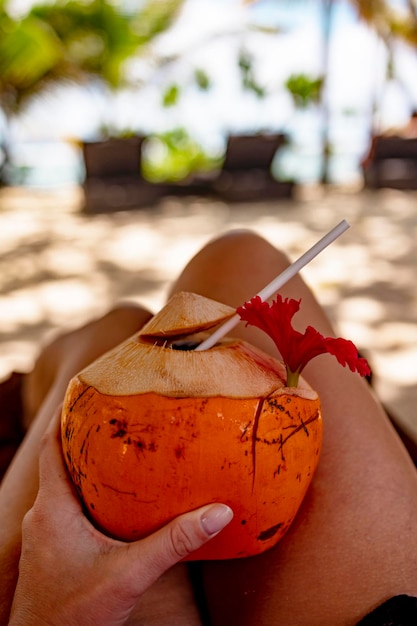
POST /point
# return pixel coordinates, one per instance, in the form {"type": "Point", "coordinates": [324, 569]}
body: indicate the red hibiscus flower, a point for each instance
{"type": "Point", "coordinates": [296, 348]}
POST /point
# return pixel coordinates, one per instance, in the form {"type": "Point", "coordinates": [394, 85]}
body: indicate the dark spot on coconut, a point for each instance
{"type": "Point", "coordinates": [274, 403]}
{"type": "Point", "coordinates": [121, 428]}
{"type": "Point", "coordinates": [269, 533]}
{"type": "Point", "coordinates": [119, 433]}
{"type": "Point", "coordinates": [180, 452]}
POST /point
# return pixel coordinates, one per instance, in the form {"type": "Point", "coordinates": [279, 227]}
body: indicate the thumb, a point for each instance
{"type": "Point", "coordinates": [189, 532]}
{"type": "Point", "coordinates": [172, 543]}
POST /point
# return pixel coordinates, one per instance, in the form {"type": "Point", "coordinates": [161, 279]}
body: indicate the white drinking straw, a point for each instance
{"type": "Point", "coordinates": [278, 282]}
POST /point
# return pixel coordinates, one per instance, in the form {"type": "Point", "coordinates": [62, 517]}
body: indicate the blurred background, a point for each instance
{"type": "Point", "coordinates": [329, 73]}
{"type": "Point", "coordinates": [180, 78]}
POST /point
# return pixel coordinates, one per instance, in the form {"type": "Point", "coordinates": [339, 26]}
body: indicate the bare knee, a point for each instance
{"type": "Point", "coordinates": [232, 267]}
{"type": "Point", "coordinates": [245, 244]}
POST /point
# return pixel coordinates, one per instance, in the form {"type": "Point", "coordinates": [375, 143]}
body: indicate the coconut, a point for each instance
{"type": "Point", "coordinates": [154, 428]}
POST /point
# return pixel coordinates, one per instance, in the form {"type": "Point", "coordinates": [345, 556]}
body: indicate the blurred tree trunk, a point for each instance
{"type": "Point", "coordinates": [327, 17]}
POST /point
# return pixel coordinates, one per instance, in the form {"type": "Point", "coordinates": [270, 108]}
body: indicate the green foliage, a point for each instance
{"type": "Point", "coordinates": [304, 89]}
{"type": "Point", "coordinates": [155, 17]}
{"type": "Point", "coordinates": [73, 41]}
{"type": "Point", "coordinates": [107, 131]}
{"type": "Point", "coordinates": [202, 79]}
{"type": "Point", "coordinates": [28, 54]}
{"type": "Point", "coordinates": [173, 155]}
{"type": "Point", "coordinates": [96, 39]}
{"type": "Point", "coordinates": [249, 82]}
{"type": "Point", "coordinates": [171, 95]}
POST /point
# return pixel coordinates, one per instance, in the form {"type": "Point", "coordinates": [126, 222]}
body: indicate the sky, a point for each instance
{"type": "Point", "coordinates": [209, 34]}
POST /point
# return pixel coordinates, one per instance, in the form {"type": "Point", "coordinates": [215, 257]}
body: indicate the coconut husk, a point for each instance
{"type": "Point", "coordinates": [184, 314]}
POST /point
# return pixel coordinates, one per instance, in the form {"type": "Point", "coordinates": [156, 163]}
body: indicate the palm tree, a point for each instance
{"type": "Point", "coordinates": [391, 26]}
{"type": "Point", "coordinates": [388, 23]}
{"type": "Point", "coordinates": [72, 42]}
{"type": "Point", "coordinates": [326, 148]}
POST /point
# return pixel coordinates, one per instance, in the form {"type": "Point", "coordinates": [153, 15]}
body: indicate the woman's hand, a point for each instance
{"type": "Point", "coordinates": [70, 573]}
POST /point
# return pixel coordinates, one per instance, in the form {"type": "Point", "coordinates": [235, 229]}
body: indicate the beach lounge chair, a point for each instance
{"type": "Point", "coordinates": [113, 176]}
{"type": "Point", "coordinates": [391, 162]}
{"type": "Point", "coordinates": [246, 172]}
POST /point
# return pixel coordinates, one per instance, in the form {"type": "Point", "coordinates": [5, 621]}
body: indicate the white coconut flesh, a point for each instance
{"type": "Point", "coordinates": [155, 361]}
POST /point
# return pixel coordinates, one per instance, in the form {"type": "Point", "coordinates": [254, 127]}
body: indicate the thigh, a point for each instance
{"type": "Point", "coordinates": [354, 541]}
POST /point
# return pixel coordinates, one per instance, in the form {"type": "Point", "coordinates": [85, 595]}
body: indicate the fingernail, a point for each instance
{"type": "Point", "coordinates": [215, 518]}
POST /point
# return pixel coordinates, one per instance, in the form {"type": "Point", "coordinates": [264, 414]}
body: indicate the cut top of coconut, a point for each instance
{"type": "Point", "coordinates": [232, 368]}
{"type": "Point", "coordinates": [184, 314]}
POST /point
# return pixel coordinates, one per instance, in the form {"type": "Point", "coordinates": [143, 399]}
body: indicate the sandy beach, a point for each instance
{"type": "Point", "coordinates": [60, 267]}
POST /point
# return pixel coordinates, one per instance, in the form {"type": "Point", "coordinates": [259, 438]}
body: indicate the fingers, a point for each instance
{"type": "Point", "coordinates": [177, 540]}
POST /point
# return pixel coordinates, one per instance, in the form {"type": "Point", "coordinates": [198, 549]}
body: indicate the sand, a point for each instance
{"type": "Point", "coordinates": [60, 267]}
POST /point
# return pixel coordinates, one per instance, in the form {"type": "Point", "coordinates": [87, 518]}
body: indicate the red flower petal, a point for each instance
{"type": "Point", "coordinates": [296, 348]}
{"type": "Point", "coordinates": [346, 353]}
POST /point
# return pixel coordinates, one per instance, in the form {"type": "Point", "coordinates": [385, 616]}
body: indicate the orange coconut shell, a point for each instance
{"type": "Point", "coordinates": [149, 433]}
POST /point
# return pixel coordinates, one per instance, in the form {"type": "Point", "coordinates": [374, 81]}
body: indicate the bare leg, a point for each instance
{"type": "Point", "coordinates": [354, 541]}
{"type": "Point", "coordinates": [343, 527]}
{"type": "Point", "coordinates": [44, 390]}
{"type": "Point", "coordinates": [68, 353]}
